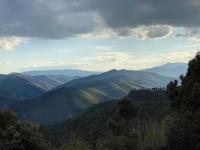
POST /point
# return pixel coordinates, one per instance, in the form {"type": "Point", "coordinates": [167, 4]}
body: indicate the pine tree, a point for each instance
{"type": "Point", "coordinates": [184, 131]}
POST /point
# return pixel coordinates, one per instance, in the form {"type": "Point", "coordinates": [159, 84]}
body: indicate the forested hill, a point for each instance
{"type": "Point", "coordinates": [92, 124]}
{"type": "Point", "coordinates": [77, 95]}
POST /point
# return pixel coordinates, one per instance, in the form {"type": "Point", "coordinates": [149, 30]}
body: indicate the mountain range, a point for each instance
{"type": "Point", "coordinates": [51, 96]}
{"type": "Point", "coordinates": [19, 87]}
{"type": "Point", "coordinates": [76, 95]}
{"type": "Point", "coordinates": [65, 72]}
{"type": "Point", "coordinates": [169, 69]}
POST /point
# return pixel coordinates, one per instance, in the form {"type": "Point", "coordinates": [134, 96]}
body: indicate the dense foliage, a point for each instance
{"type": "Point", "coordinates": [15, 135]}
{"type": "Point", "coordinates": [184, 130]}
{"type": "Point", "coordinates": [134, 122]}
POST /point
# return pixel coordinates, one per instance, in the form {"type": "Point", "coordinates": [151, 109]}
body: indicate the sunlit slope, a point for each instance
{"type": "Point", "coordinates": [81, 93]}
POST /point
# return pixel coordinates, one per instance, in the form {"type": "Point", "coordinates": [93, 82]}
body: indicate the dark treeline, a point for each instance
{"type": "Point", "coordinates": [147, 119]}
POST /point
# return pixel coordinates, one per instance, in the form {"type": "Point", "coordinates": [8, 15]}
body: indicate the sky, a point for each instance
{"type": "Point", "coordinates": [97, 35]}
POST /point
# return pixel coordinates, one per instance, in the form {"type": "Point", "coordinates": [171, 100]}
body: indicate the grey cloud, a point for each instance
{"type": "Point", "coordinates": [36, 19]}
{"type": "Point", "coordinates": [65, 18]}
{"type": "Point", "coordinates": [190, 33]}
{"type": "Point", "coordinates": [154, 32]}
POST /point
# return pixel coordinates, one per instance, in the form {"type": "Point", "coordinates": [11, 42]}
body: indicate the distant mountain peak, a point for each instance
{"type": "Point", "coordinates": [113, 70]}
{"type": "Point", "coordinates": [170, 69]}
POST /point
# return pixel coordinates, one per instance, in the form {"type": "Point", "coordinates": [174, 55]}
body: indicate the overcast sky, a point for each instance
{"type": "Point", "coordinates": [97, 34]}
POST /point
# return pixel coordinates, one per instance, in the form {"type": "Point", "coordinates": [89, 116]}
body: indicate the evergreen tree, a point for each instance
{"type": "Point", "coordinates": [123, 134]}
{"type": "Point", "coordinates": [184, 131]}
{"type": "Point", "coordinates": [15, 135]}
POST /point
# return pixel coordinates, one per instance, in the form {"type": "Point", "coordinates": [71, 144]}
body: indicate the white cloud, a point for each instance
{"type": "Point", "coordinates": [101, 61]}
{"type": "Point", "coordinates": [104, 61]}
{"type": "Point", "coordinates": [104, 48]}
{"type": "Point", "coordinates": [154, 32]}
{"type": "Point", "coordinates": [6, 62]}
{"type": "Point", "coordinates": [9, 43]}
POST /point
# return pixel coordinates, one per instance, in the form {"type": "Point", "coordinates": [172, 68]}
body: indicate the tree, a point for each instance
{"type": "Point", "coordinates": [15, 135]}
{"type": "Point", "coordinates": [76, 144]}
{"type": "Point", "coordinates": [123, 134]}
{"type": "Point", "coordinates": [184, 130]}
{"type": "Point", "coordinates": [186, 97]}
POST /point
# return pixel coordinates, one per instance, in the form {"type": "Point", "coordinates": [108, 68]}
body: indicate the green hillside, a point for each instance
{"type": "Point", "coordinates": [134, 78]}
{"type": "Point", "coordinates": [51, 81]}
{"type": "Point", "coordinates": [20, 87]}
{"type": "Point", "coordinates": [4, 101]}
{"type": "Point", "coordinates": [79, 94]}
{"type": "Point", "coordinates": [92, 124]}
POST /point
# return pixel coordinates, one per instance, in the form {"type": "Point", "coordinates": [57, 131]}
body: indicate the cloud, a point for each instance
{"type": "Point", "coordinates": [190, 34]}
{"type": "Point", "coordinates": [101, 61]}
{"type": "Point", "coordinates": [104, 48]}
{"type": "Point", "coordinates": [98, 34]}
{"type": "Point", "coordinates": [154, 32]}
{"type": "Point", "coordinates": [131, 13]}
{"type": "Point", "coordinates": [109, 59]}
{"type": "Point", "coordinates": [6, 62]}
{"type": "Point", "coordinates": [49, 64]}
{"type": "Point", "coordinates": [66, 18]}
{"type": "Point", "coordinates": [10, 42]}
{"type": "Point", "coordinates": [44, 19]}
{"type": "Point", "coordinates": [104, 61]}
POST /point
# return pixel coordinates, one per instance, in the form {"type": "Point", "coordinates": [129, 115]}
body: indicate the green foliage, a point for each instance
{"type": "Point", "coordinates": [184, 132]}
{"type": "Point", "coordinates": [136, 121]}
{"type": "Point", "coordinates": [123, 135]}
{"type": "Point", "coordinates": [121, 142]}
{"type": "Point", "coordinates": [127, 109]}
{"type": "Point", "coordinates": [15, 135]}
{"type": "Point", "coordinates": [187, 96]}
{"type": "Point", "coordinates": [76, 144]}
{"type": "Point", "coordinates": [184, 128]}
{"type": "Point", "coordinates": [7, 118]}
{"type": "Point", "coordinates": [154, 137]}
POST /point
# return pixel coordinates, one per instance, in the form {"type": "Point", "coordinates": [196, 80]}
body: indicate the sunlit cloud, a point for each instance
{"type": "Point", "coordinates": [9, 43]}
{"type": "Point", "coordinates": [104, 48]}
{"type": "Point", "coordinates": [121, 60]}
